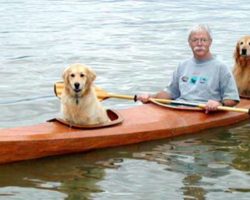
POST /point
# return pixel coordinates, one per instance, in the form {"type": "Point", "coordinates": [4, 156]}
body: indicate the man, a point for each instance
{"type": "Point", "coordinates": [202, 78]}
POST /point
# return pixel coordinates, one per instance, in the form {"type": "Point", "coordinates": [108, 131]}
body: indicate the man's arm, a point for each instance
{"type": "Point", "coordinates": [144, 98]}
{"type": "Point", "coordinates": [212, 105]}
{"type": "Point", "coordinates": [229, 102]}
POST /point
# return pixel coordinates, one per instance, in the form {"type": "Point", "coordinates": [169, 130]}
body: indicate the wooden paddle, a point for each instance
{"type": "Point", "coordinates": [102, 95]}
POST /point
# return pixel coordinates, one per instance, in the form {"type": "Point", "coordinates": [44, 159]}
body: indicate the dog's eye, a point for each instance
{"type": "Point", "coordinates": [241, 43]}
{"type": "Point", "coordinates": [249, 43]}
{"type": "Point", "coordinates": [82, 75]}
{"type": "Point", "coordinates": [72, 75]}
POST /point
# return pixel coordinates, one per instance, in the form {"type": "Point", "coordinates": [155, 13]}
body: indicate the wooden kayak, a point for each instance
{"type": "Point", "coordinates": [140, 123]}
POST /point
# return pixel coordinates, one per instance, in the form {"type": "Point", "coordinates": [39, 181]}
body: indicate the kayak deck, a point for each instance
{"type": "Point", "coordinates": [141, 123]}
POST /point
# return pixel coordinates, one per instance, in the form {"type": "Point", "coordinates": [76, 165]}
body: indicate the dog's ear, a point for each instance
{"type": "Point", "coordinates": [65, 76]}
{"type": "Point", "coordinates": [91, 75]}
{"type": "Point", "coordinates": [237, 52]}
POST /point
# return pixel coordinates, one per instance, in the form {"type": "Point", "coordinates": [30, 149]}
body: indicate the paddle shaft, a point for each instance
{"type": "Point", "coordinates": [224, 108]}
{"type": "Point", "coordinates": [120, 96]}
{"type": "Point", "coordinates": [169, 101]}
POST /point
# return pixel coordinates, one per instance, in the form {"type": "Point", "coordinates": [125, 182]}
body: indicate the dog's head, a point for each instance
{"type": "Point", "coordinates": [78, 79]}
{"type": "Point", "coordinates": [242, 51]}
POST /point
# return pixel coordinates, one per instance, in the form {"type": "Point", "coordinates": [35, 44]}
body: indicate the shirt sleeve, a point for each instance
{"type": "Point", "coordinates": [228, 86]}
{"type": "Point", "coordinates": [173, 87]}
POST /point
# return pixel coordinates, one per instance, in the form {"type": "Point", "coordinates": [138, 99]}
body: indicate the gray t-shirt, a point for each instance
{"type": "Point", "coordinates": [200, 81]}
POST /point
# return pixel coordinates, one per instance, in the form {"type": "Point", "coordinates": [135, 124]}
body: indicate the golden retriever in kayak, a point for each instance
{"type": "Point", "coordinates": [79, 103]}
{"type": "Point", "coordinates": [241, 69]}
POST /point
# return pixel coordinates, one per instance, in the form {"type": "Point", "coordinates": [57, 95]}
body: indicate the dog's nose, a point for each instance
{"type": "Point", "coordinates": [77, 85]}
{"type": "Point", "coordinates": [244, 52]}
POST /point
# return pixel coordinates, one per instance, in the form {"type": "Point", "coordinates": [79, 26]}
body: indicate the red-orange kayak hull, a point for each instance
{"type": "Point", "coordinates": [140, 123]}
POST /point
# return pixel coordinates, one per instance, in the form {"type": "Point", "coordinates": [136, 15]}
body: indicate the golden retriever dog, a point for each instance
{"type": "Point", "coordinates": [79, 103]}
{"type": "Point", "coordinates": [241, 68]}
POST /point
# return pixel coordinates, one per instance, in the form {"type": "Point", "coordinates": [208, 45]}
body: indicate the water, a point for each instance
{"type": "Point", "coordinates": [133, 46]}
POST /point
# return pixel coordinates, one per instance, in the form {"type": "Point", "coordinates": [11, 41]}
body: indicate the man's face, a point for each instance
{"type": "Point", "coordinates": [200, 43]}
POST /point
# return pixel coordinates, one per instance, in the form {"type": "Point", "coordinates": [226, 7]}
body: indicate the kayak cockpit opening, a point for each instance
{"type": "Point", "coordinates": [114, 116]}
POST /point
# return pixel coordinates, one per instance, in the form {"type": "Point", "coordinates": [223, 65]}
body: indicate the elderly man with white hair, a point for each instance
{"type": "Point", "coordinates": [202, 78]}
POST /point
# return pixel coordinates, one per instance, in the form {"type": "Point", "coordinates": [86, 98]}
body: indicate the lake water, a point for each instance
{"type": "Point", "coordinates": [134, 47]}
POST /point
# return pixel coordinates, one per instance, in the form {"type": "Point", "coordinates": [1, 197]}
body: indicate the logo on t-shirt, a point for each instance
{"type": "Point", "coordinates": [203, 80]}
{"type": "Point", "coordinates": [193, 79]}
{"type": "Point", "coordinates": [184, 78]}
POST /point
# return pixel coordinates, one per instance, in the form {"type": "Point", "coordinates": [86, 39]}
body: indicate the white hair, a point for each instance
{"type": "Point", "coordinates": [200, 28]}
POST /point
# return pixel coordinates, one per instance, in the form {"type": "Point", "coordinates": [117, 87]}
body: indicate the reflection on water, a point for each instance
{"type": "Point", "coordinates": [71, 177]}
{"type": "Point", "coordinates": [133, 46]}
{"type": "Point", "coordinates": [242, 151]}
{"type": "Point", "coordinates": [210, 165]}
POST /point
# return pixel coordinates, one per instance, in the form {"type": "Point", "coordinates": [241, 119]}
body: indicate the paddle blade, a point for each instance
{"type": "Point", "coordinates": [58, 88]}
{"type": "Point", "coordinates": [101, 94]}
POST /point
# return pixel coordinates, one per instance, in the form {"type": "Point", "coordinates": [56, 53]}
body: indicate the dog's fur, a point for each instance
{"type": "Point", "coordinates": [241, 68]}
{"type": "Point", "coordinates": [79, 103]}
